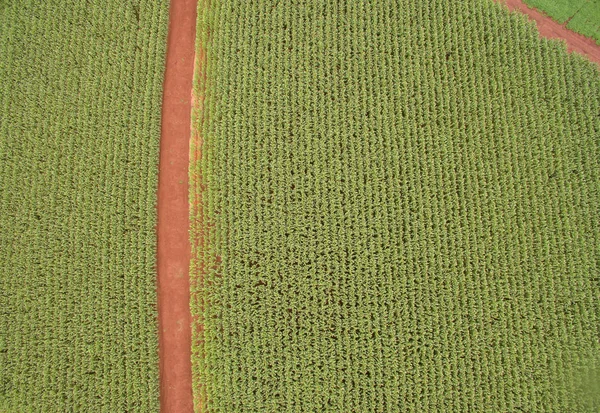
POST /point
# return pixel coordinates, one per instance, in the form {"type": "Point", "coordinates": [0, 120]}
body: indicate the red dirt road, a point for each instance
{"type": "Point", "coordinates": [173, 213]}
{"type": "Point", "coordinates": [551, 29]}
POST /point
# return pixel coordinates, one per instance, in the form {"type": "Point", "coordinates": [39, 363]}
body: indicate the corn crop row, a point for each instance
{"type": "Point", "coordinates": [399, 210]}
{"type": "Point", "coordinates": [80, 96]}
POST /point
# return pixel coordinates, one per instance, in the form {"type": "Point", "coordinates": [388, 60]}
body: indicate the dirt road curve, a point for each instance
{"type": "Point", "coordinates": [173, 213]}
{"type": "Point", "coordinates": [551, 29]}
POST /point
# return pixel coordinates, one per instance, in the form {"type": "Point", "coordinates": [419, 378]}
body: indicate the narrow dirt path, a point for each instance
{"type": "Point", "coordinates": [173, 213]}
{"type": "Point", "coordinates": [551, 29]}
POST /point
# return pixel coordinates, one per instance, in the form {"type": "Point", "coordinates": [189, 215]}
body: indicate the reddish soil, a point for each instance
{"type": "Point", "coordinates": [173, 214]}
{"type": "Point", "coordinates": [551, 29]}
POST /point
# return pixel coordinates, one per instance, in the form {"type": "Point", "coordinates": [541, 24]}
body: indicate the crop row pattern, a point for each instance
{"type": "Point", "coordinates": [80, 96]}
{"type": "Point", "coordinates": [399, 208]}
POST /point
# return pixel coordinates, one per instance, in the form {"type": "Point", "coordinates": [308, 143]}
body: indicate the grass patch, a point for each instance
{"type": "Point", "coordinates": [399, 210]}
{"type": "Point", "coordinates": [80, 92]}
{"type": "Point", "coordinates": [583, 16]}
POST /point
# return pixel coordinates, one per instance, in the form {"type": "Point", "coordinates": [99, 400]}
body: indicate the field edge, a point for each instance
{"type": "Point", "coordinates": [198, 220]}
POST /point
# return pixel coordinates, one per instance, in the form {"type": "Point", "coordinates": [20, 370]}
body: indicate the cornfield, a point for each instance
{"type": "Point", "coordinates": [80, 96]}
{"type": "Point", "coordinates": [395, 208]}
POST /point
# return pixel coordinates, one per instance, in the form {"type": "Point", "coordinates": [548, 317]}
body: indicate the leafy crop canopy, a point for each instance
{"type": "Point", "coordinates": [80, 95]}
{"type": "Point", "coordinates": [399, 210]}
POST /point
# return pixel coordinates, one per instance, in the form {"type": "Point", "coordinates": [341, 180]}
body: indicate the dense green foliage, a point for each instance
{"type": "Point", "coordinates": [80, 96]}
{"type": "Point", "coordinates": [396, 208]}
{"type": "Point", "coordinates": [582, 16]}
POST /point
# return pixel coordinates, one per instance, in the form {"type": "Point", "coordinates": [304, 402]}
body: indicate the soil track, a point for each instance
{"type": "Point", "coordinates": [551, 29]}
{"type": "Point", "coordinates": [173, 254]}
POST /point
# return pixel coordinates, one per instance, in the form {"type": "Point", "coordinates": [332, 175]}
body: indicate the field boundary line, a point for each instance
{"type": "Point", "coordinates": [199, 225]}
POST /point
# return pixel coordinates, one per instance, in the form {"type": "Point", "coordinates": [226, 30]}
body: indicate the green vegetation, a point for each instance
{"type": "Point", "coordinates": [80, 96]}
{"type": "Point", "coordinates": [396, 210]}
{"type": "Point", "coordinates": [583, 16]}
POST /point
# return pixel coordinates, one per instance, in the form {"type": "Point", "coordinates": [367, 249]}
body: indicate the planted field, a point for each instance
{"type": "Point", "coordinates": [582, 16]}
{"type": "Point", "coordinates": [395, 208]}
{"type": "Point", "coordinates": [80, 96]}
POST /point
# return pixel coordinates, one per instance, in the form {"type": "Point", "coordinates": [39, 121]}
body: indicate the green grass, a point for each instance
{"type": "Point", "coordinates": [399, 211]}
{"type": "Point", "coordinates": [80, 96]}
{"type": "Point", "coordinates": [583, 16]}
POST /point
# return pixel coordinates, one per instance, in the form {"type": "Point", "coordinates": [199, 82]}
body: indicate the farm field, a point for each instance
{"type": "Point", "coordinates": [394, 207]}
{"type": "Point", "coordinates": [80, 97]}
{"type": "Point", "coordinates": [581, 16]}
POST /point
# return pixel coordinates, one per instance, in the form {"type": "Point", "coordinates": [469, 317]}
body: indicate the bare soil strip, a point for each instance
{"type": "Point", "coordinates": [551, 29]}
{"type": "Point", "coordinates": [173, 213]}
